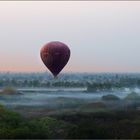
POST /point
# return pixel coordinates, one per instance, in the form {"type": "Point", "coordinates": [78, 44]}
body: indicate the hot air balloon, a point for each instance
{"type": "Point", "coordinates": [55, 56]}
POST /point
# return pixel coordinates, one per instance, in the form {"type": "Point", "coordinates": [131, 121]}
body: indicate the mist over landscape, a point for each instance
{"type": "Point", "coordinates": [69, 70]}
{"type": "Point", "coordinates": [41, 89]}
{"type": "Point", "coordinates": [81, 105]}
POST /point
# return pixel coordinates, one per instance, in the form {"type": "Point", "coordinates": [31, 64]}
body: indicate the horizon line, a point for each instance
{"type": "Point", "coordinates": [31, 72]}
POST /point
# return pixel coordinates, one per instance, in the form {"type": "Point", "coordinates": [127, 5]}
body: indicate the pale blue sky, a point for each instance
{"type": "Point", "coordinates": [103, 36]}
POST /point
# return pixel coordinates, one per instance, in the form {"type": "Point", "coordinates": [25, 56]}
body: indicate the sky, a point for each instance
{"type": "Point", "coordinates": [103, 36]}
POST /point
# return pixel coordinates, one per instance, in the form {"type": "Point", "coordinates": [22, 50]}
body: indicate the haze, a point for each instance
{"type": "Point", "coordinates": [103, 36]}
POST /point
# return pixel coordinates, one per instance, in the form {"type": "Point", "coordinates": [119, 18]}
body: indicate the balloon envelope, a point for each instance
{"type": "Point", "coordinates": [55, 56]}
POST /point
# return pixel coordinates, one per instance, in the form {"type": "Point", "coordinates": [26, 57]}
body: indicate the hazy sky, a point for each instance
{"type": "Point", "coordinates": [103, 36]}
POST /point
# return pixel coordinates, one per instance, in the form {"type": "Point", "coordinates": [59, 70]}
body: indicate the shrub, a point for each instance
{"type": "Point", "coordinates": [9, 90]}
{"type": "Point", "coordinates": [132, 96]}
{"type": "Point", "coordinates": [110, 98]}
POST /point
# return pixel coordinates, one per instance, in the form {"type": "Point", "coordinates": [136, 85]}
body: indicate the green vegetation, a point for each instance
{"type": "Point", "coordinates": [102, 81]}
{"type": "Point", "coordinates": [108, 117]}
{"type": "Point", "coordinates": [102, 125]}
{"type": "Point", "coordinates": [12, 125]}
{"type": "Point", "coordinates": [99, 122]}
